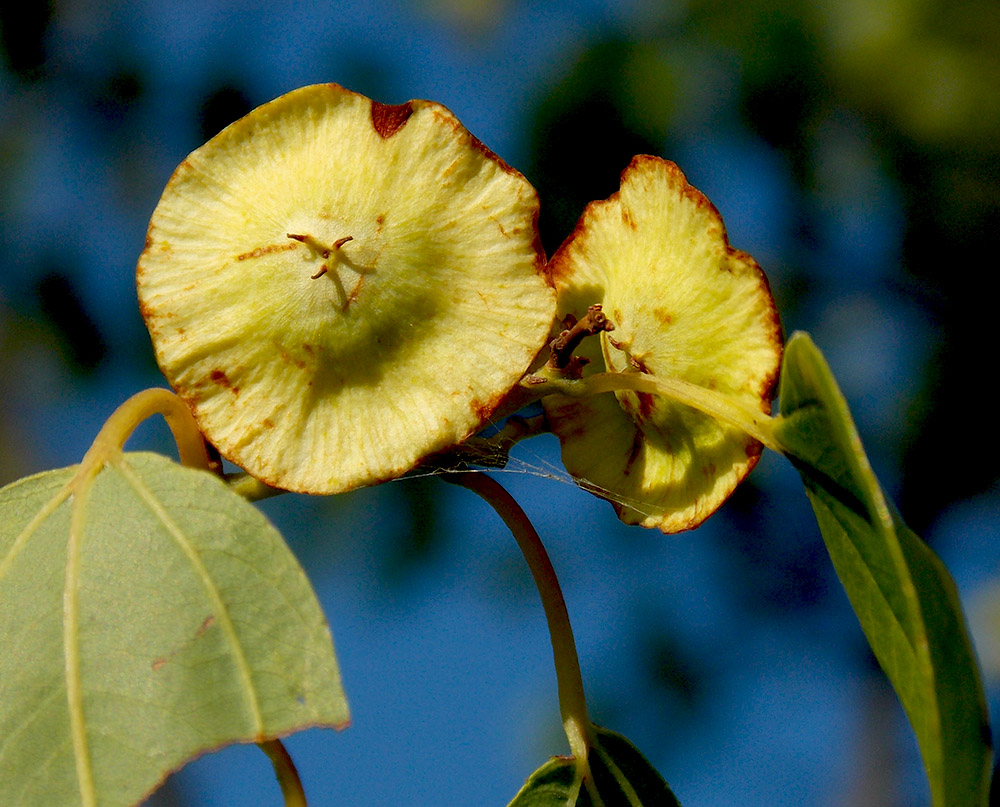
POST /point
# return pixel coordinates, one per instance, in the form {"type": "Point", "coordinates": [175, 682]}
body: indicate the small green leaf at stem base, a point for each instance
{"type": "Point", "coordinates": [904, 598]}
{"type": "Point", "coordinates": [616, 774]}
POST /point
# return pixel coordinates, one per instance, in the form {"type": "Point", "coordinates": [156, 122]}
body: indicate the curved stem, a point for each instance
{"type": "Point", "coordinates": [284, 770]}
{"type": "Point", "coordinates": [119, 427]}
{"type": "Point", "coordinates": [572, 702]}
{"type": "Point", "coordinates": [757, 424]}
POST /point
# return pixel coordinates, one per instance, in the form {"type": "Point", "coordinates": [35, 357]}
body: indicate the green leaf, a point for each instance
{"type": "Point", "coordinates": [619, 775]}
{"type": "Point", "coordinates": [146, 617]}
{"type": "Point", "coordinates": [903, 596]}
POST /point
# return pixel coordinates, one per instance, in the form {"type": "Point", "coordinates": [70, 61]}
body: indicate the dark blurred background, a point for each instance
{"type": "Point", "coordinates": [852, 148]}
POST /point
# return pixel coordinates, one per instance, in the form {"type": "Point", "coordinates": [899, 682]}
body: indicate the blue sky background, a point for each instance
{"type": "Point", "coordinates": [728, 655]}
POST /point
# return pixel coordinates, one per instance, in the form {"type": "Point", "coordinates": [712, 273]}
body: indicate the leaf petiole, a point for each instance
{"type": "Point", "coordinates": [284, 770]}
{"type": "Point", "coordinates": [119, 427]}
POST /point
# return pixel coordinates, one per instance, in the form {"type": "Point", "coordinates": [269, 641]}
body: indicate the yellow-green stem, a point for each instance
{"type": "Point", "coordinates": [284, 770]}
{"type": "Point", "coordinates": [572, 702]}
{"type": "Point", "coordinates": [253, 490]}
{"type": "Point", "coordinates": [757, 424]}
{"type": "Point", "coordinates": [123, 421]}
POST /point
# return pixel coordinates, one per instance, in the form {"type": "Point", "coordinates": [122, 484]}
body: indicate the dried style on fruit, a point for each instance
{"type": "Point", "coordinates": [683, 304]}
{"type": "Point", "coordinates": [339, 288]}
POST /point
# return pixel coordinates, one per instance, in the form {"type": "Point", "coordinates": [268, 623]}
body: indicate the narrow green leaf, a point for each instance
{"type": "Point", "coordinates": [619, 776]}
{"type": "Point", "coordinates": [903, 596]}
{"type": "Point", "coordinates": [146, 618]}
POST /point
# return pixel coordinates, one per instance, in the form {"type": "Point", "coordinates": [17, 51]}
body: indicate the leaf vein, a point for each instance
{"type": "Point", "coordinates": [50, 507]}
{"type": "Point", "coordinates": [219, 606]}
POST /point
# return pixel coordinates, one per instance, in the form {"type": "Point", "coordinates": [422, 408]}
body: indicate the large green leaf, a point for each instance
{"type": "Point", "coordinates": [620, 776]}
{"type": "Point", "coordinates": [146, 617]}
{"type": "Point", "coordinates": [903, 595]}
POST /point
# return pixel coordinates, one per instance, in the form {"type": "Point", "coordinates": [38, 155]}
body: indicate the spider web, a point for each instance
{"type": "Point", "coordinates": [525, 459]}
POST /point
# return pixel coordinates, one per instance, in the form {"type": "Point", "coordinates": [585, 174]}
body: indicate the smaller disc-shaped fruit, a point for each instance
{"type": "Point", "coordinates": [339, 288]}
{"type": "Point", "coordinates": [683, 305]}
